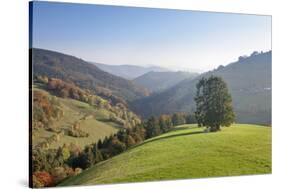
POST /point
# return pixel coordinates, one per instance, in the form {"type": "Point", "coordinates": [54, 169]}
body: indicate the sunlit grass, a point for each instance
{"type": "Point", "coordinates": [187, 152]}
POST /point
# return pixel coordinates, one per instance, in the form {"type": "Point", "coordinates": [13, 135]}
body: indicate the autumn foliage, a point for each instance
{"type": "Point", "coordinates": [45, 178]}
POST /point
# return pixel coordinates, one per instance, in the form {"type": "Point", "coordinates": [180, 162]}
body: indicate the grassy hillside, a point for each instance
{"type": "Point", "coordinates": [73, 111]}
{"type": "Point", "coordinates": [187, 152]}
{"type": "Point", "coordinates": [248, 80]}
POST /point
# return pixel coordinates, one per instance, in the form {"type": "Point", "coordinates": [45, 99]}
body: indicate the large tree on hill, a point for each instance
{"type": "Point", "coordinates": [213, 104]}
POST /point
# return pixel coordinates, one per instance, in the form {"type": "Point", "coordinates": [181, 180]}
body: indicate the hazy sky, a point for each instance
{"type": "Point", "coordinates": [179, 40]}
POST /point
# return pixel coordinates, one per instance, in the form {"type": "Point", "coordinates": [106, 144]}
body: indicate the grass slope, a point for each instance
{"type": "Point", "coordinates": [187, 152]}
{"type": "Point", "coordinates": [73, 111]}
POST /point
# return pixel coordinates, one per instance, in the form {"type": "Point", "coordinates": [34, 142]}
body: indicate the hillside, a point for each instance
{"type": "Point", "coordinates": [159, 81]}
{"type": "Point", "coordinates": [59, 120]}
{"type": "Point", "coordinates": [187, 152]}
{"type": "Point", "coordinates": [248, 79]}
{"type": "Point", "coordinates": [85, 75]}
{"type": "Point", "coordinates": [128, 71]}
{"type": "Point", "coordinates": [73, 112]}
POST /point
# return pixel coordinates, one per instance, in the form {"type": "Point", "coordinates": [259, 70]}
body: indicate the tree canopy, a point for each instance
{"type": "Point", "coordinates": [213, 103]}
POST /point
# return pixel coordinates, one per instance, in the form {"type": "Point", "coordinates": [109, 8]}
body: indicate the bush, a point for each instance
{"type": "Point", "coordinates": [36, 182]}
{"type": "Point", "coordinates": [77, 171]}
{"type": "Point", "coordinates": [77, 133]}
{"type": "Point", "coordinates": [116, 146]}
{"type": "Point", "coordinates": [45, 178]}
{"type": "Point", "coordinates": [45, 110]}
{"type": "Point", "coordinates": [116, 119]}
{"type": "Point", "coordinates": [130, 141]}
{"type": "Point", "coordinates": [58, 174]}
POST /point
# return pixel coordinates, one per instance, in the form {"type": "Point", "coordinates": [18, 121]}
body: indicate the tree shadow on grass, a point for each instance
{"type": "Point", "coordinates": [170, 136]}
{"type": "Point", "coordinates": [183, 128]}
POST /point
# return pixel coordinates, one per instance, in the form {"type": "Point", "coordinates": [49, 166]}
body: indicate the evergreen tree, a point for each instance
{"type": "Point", "coordinates": [152, 127]}
{"type": "Point", "coordinates": [97, 154]}
{"type": "Point", "coordinates": [86, 159]}
{"type": "Point", "coordinates": [99, 144]}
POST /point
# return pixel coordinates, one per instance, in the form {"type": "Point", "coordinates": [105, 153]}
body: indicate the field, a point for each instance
{"type": "Point", "coordinates": [187, 152]}
{"type": "Point", "coordinates": [73, 111]}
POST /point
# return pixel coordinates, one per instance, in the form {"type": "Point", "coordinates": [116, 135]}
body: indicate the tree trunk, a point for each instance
{"type": "Point", "coordinates": [215, 128]}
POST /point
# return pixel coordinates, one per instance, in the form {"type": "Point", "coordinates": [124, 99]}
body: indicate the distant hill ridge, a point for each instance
{"type": "Point", "coordinates": [249, 81]}
{"type": "Point", "coordinates": [159, 81]}
{"type": "Point", "coordinates": [129, 71]}
{"type": "Point", "coordinates": [83, 74]}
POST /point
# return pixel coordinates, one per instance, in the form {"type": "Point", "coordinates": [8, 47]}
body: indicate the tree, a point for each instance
{"type": "Point", "coordinates": [97, 154]}
{"type": "Point", "coordinates": [165, 123]}
{"type": "Point", "coordinates": [36, 183]}
{"type": "Point", "coordinates": [99, 144]}
{"type": "Point", "coordinates": [130, 141]}
{"type": "Point", "coordinates": [190, 119]}
{"type": "Point", "coordinates": [64, 152]}
{"type": "Point", "coordinates": [213, 104]}
{"type": "Point", "coordinates": [152, 127]}
{"type": "Point", "coordinates": [86, 158]}
{"type": "Point", "coordinates": [64, 93]}
{"type": "Point", "coordinates": [58, 174]}
{"type": "Point", "coordinates": [44, 178]}
{"type": "Point", "coordinates": [178, 119]}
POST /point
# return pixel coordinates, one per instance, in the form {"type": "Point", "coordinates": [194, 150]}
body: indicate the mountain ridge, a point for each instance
{"type": "Point", "coordinates": [159, 81]}
{"type": "Point", "coordinates": [86, 75]}
{"type": "Point", "coordinates": [128, 71]}
{"type": "Point", "coordinates": [249, 81]}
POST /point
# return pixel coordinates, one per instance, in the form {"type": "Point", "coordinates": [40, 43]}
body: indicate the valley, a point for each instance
{"type": "Point", "coordinates": [123, 94]}
{"type": "Point", "coordinates": [92, 127]}
{"type": "Point", "coordinates": [249, 81]}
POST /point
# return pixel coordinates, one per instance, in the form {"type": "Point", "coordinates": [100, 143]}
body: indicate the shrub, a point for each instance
{"type": "Point", "coordinates": [77, 171]}
{"type": "Point", "coordinates": [77, 133]}
{"type": "Point", "coordinates": [45, 178]}
{"type": "Point", "coordinates": [130, 141]}
{"type": "Point", "coordinates": [116, 146]}
{"type": "Point", "coordinates": [58, 174]}
{"type": "Point", "coordinates": [36, 182]}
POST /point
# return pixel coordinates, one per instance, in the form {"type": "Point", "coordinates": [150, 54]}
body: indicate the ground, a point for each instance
{"type": "Point", "coordinates": [187, 152]}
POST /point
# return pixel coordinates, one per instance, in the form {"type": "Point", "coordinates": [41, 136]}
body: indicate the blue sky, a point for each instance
{"type": "Point", "coordinates": [175, 39]}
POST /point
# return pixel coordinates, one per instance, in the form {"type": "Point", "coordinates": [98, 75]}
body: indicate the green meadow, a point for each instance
{"type": "Point", "coordinates": [186, 152]}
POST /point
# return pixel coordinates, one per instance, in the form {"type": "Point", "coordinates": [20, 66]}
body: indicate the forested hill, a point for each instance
{"type": "Point", "coordinates": [159, 81]}
{"type": "Point", "coordinates": [249, 81]}
{"type": "Point", "coordinates": [83, 74]}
